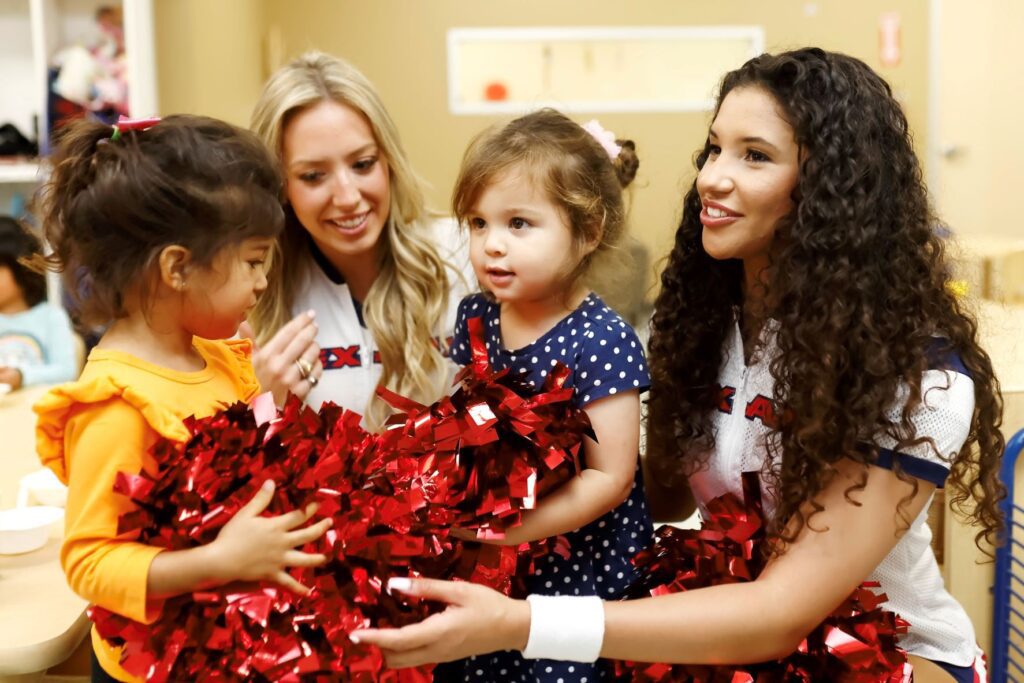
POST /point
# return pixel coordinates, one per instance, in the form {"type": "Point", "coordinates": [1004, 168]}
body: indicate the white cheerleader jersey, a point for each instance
{"type": "Point", "coordinates": [909, 575]}
{"type": "Point", "coordinates": [347, 350]}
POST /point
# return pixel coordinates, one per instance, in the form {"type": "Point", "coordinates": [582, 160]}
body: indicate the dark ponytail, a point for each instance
{"type": "Point", "coordinates": [111, 205]}
{"type": "Point", "coordinates": [627, 163]}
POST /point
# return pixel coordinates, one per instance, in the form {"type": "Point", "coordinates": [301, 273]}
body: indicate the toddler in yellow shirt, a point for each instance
{"type": "Point", "coordinates": [162, 229]}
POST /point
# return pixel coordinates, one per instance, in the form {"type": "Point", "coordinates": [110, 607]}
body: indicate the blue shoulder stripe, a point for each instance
{"type": "Point", "coordinates": [919, 468]}
{"type": "Point", "coordinates": [942, 356]}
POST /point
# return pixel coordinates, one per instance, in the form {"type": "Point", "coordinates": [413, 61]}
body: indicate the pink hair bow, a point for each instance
{"type": "Point", "coordinates": [605, 138]}
{"type": "Point", "coordinates": [124, 123]}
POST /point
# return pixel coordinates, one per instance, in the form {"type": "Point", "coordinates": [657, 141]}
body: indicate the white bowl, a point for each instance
{"type": "Point", "coordinates": [23, 530]}
{"type": "Point", "coordinates": [42, 487]}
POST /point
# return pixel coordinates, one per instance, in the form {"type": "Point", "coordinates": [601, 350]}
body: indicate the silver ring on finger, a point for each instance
{"type": "Point", "coordinates": [313, 381]}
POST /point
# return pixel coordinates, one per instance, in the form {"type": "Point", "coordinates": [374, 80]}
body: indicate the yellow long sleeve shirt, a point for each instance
{"type": "Point", "coordinates": [104, 423]}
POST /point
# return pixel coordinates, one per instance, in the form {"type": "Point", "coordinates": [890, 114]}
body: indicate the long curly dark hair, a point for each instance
{"type": "Point", "coordinates": [858, 286]}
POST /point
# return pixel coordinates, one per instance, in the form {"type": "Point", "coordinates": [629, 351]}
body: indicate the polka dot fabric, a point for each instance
{"type": "Point", "coordinates": [600, 348]}
{"type": "Point", "coordinates": [606, 358]}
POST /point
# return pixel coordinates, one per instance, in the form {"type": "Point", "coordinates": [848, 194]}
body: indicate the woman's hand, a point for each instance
{"type": "Point", "coordinates": [251, 547]}
{"type": "Point", "coordinates": [478, 620]}
{"type": "Point", "coordinates": [735, 622]}
{"type": "Point", "coordinates": [277, 363]}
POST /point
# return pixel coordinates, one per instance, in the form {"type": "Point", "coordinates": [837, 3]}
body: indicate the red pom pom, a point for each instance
{"type": "Point", "coordinates": [499, 446]}
{"type": "Point", "coordinates": [477, 459]}
{"type": "Point", "coordinates": [856, 643]}
{"type": "Point", "coordinates": [265, 632]}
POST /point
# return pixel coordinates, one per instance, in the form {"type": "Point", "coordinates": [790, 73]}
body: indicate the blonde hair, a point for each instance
{"type": "Point", "coordinates": [573, 169]}
{"type": "Point", "coordinates": [410, 294]}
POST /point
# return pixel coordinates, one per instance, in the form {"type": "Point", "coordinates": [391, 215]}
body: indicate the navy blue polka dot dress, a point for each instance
{"type": "Point", "coordinates": [606, 358]}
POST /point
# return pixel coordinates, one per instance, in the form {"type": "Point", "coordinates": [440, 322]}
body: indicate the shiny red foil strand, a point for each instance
{"type": "Point", "coordinates": [478, 459]}
{"type": "Point", "coordinates": [504, 446]}
{"type": "Point", "coordinates": [261, 631]}
{"type": "Point", "coordinates": [501, 445]}
{"type": "Point", "coordinates": [856, 643]}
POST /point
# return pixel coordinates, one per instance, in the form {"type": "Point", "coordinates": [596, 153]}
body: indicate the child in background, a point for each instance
{"type": "Point", "coordinates": [171, 227]}
{"type": "Point", "coordinates": [37, 345]}
{"type": "Point", "coordinates": [542, 200]}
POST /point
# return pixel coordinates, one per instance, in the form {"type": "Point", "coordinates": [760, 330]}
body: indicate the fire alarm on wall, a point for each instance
{"type": "Point", "coordinates": [889, 51]}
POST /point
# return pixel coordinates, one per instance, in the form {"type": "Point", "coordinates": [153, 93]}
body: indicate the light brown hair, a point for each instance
{"type": "Point", "coordinates": [569, 165]}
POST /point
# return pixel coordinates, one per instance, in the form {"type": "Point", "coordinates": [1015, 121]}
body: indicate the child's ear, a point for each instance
{"type": "Point", "coordinates": [591, 240]}
{"type": "Point", "coordinates": [175, 262]}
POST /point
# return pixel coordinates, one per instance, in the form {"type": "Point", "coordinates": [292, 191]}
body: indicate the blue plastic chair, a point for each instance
{"type": "Point", "coordinates": [1008, 596]}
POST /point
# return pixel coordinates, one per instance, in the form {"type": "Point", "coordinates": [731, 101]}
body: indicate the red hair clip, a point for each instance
{"type": "Point", "coordinates": [124, 123]}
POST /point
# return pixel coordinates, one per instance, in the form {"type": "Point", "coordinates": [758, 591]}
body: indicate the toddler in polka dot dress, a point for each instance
{"type": "Point", "coordinates": [542, 200]}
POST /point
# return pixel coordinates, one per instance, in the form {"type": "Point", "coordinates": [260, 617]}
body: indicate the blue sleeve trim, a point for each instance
{"type": "Point", "coordinates": [942, 356]}
{"type": "Point", "coordinates": [919, 468]}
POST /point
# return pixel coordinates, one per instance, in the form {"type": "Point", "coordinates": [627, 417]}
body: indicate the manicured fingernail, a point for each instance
{"type": "Point", "coordinates": [268, 485]}
{"type": "Point", "coordinates": [353, 637]}
{"type": "Point", "coordinates": [311, 313]}
{"type": "Point", "coordinates": [400, 584]}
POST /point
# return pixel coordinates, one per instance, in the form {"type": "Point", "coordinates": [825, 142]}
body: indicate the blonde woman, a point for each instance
{"type": "Point", "coordinates": [360, 252]}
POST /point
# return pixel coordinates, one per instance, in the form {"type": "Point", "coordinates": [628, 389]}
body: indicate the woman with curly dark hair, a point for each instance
{"type": "Point", "coordinates": [805, 331]}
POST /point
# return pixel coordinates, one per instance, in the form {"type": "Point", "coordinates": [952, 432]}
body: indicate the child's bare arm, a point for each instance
{"type": "Point", "coordinates": [606, 481]}
{"type": "Point", "coordinates": [248, 548]}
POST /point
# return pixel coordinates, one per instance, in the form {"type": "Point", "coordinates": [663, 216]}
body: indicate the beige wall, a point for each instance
{"type": "Point", "coordinates": [229, 33]}
{"type": "Point", "coordinates": [979, 109]}
{"type": "Point", "coordinates": [209, 57]}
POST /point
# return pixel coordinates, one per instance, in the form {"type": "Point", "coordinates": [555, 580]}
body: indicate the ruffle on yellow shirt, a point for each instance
{"type": "Point", "coordinates": [54, 408]}
{"type": "Point", "coordinates": [241, 356]}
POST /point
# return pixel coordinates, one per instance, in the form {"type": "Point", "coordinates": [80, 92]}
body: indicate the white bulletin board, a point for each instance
{"type": "Point", "coordinates": [580, 69]}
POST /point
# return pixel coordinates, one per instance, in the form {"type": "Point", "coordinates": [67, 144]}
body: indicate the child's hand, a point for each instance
{"type": "Point", "coordinates": [10, 376]}
{"type": "Point", "coordinates": [255, 548]}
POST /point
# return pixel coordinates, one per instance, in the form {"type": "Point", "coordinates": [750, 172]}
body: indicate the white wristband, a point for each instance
{"type": "Point", "coordinates": [568, 628]}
